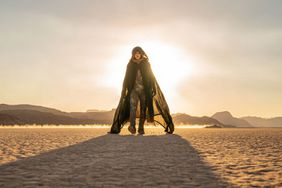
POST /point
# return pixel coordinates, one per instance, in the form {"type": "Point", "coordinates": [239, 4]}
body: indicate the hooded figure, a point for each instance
{"type": "Point", "coordinates": [156, 108]}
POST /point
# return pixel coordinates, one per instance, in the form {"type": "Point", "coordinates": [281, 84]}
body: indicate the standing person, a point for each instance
{"type": "Point", "coordinates": [137, 95]}
{"type": "Point", "coordinates": [140, 86]}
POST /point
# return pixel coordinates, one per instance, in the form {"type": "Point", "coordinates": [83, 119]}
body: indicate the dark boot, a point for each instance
{"type": "Point", "coordinates": [131, 129]}
{"type": "Point", "coordinates": [141, 126]}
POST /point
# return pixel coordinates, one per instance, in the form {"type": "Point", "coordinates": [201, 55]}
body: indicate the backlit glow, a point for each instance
{"type": "Point", "coordinates": [169, 65]}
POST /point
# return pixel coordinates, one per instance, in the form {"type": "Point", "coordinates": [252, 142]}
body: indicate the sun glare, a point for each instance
{"type": "Point", "coordinates": [169, 65]}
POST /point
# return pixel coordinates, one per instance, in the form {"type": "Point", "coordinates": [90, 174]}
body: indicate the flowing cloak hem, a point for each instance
{"type": "Point", "coordinates": [161, 113]}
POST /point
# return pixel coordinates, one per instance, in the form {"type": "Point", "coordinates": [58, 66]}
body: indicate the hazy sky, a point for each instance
{"type": "Point", "coordinates": [72, 55]}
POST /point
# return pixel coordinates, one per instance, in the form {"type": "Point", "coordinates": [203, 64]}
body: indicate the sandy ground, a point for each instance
{"type": "Point", "coordinates": [89, 157]}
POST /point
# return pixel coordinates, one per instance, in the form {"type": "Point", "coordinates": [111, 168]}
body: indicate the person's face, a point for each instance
{"type": "Point", "coordinates": [137, 55]}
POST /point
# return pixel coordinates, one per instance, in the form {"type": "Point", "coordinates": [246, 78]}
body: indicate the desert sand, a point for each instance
{"type": "Point", "coordinates": [89, 157]}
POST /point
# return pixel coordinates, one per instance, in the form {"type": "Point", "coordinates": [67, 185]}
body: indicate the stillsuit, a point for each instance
{"type": "Point", "coordinates": [138, 94]}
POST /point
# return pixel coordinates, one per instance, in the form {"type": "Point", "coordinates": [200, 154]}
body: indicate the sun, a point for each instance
{"type": "Point", "coordinates": [170, 65]}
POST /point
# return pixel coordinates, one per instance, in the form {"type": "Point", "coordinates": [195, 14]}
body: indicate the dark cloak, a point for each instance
{"type": "Point", "coordinates": [157, 110]}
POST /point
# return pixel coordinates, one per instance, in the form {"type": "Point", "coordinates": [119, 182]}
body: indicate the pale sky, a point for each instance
{"type": "Point", "coordinates": [71, 55]}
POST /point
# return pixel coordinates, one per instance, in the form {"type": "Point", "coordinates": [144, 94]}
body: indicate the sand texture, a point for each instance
{"type": "Point", "coordinates": [89, 157]}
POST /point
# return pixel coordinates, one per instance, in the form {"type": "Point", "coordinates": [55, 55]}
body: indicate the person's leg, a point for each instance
{"type": "Point", "coordinates": [133, 106]}
{"type": "Point", "coordinates": [142, 118]}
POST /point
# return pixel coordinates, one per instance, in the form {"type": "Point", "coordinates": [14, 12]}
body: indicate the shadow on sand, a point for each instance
{"type": "Point", "coordinates": [114, 161]}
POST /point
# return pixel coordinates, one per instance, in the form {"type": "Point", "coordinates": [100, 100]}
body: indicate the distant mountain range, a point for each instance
{"type": "Point", "coordinates": [25, 114]}
{"type": "Point", "coordinates": [264, 122]}
{"type": "Point", "coordinates": [185, 119]}
{"type": "Point", "coordinates": [226, 118]}
{"type": "Point", "coordinates": [31, 114]}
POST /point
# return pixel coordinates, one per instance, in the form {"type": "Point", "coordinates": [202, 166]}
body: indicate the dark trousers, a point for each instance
{"type": "Point", "coordinates": [137, 95]}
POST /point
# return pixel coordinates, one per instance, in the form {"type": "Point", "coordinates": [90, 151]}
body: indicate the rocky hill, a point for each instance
{"type": "Point", "coordinates": [226, 118]}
